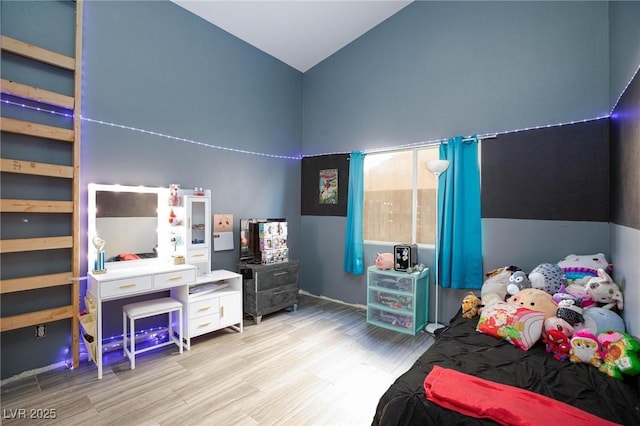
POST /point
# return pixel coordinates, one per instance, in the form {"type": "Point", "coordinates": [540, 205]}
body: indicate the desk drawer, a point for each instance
{"type": "Point", "coordinates": [174, 279]}
{"type": "Point", "coordinates": [204, 307]}
{"type": "Point", "coordinates": [125, 286]}
{"type": "Point", "coordinates": [202, 325]}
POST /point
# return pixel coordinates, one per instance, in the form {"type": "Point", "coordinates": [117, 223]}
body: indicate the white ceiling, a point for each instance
{"type": "Point", "coordinates": [300, 33]}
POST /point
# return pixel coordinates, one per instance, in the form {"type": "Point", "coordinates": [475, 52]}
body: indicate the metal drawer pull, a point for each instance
{"type": "Point", "coordinates": [127, 285]}
{"type": "Point", "coordinates": [206, 324]}
{"type": "Point", "coordinates": [277, 274]}
{"type": "Point", "coordinates": [198, 255]}
{"type": "Point", "coordinates": [175, 278]}
{"type": "Point", "coordinates": [204, 308]}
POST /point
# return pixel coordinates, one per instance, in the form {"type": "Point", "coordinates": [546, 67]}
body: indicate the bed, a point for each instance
{"type": "Point", "coordinates": [459, 348]}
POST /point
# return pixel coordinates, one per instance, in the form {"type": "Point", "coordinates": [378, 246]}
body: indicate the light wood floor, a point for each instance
{"type": "Point", "coordinates": [321, 365]}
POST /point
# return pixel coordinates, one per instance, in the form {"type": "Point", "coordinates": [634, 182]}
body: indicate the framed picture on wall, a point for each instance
{"type": "Point", "coordinates": [325, 185]}
{"type": "Point", "coordinates": [328, 193]}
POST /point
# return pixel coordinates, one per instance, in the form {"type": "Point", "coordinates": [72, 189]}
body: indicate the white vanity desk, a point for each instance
{"type": "Point", "coordinates": [122, 282]}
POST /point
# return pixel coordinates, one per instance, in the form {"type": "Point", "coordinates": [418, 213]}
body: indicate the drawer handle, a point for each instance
{"type": "Point", "coordinates": [127, 285]}
{"type": "Point", "coordinates": [280, 292]}
{"type": "Point", "coordinates": [198, 255]}
{"type": "Point", "coordinates": [221, 311]}
{"type": "Point", "coordinates": [204, 308]}
{"type": "Point", "coordinates": [206, 324]}
{"type": "Point", "coordinates": [277, 274]}
{"type": "Point", "coordinates": [175, 278]}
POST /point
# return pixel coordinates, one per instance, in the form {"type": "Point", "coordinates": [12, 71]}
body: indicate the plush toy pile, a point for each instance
{"type": "Point", "coordinates": [573, 306]}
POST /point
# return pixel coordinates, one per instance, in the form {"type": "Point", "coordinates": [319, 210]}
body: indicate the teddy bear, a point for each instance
{"type": "Point", "coordinates": [548, 277]}
{"type": "Point", "coordinates": [585, 348]}
{"type": "Point", "coordinates": [536, 300]}
{"type": "Point", "coordinates": [471, 305]}
{"type": "Point", "coordinates": [517, 281]}
{"type": "Point", "coordinates": [494, 288]}
{"type": "Point", "coordinates": [579, 268]}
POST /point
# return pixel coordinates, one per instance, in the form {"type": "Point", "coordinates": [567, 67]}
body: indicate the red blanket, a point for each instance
{"type": "Point", "coordinates": [506, 405]}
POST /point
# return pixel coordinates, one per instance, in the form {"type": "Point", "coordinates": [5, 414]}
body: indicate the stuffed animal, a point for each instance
{"type": "Point", "coordinates": [548, 277]}
{"type": "Point", "coordinates": [579, 268]}
{"type": "Point", "coordinates": [602, 289]}
{"type": "Point", "coordinates": [557, 344]}
{"type": "Point", "coordinates": [625, 354]}
{"type": "Point", "coordinates": [621, 356]}
{"type": "Point", "coordinates": [494, 288]}
{"type": "Point", "coordinates": [517, 281]}
{"type": "Point", "coordinates": [536, 300]}
{"type": "Point", "coordinates": [471, 305]}
{"type": "Point", "coordinates": [570, 312]}
{"type": "Point", "coordinates": [600, 320]}
{"type": "Point", "coordinates": [384, 260]}
{"type": "Point", "coordinates": [585, 348]}
{"type": "Point", "coordinates": [555, 323]}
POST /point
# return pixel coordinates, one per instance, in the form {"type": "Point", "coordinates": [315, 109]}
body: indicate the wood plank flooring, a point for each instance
{"type": "Point", "coordinates": [321, 365]}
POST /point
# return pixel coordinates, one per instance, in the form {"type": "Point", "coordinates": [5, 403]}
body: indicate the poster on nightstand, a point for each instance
{"type": "Point", "coordinates": [222, 232]}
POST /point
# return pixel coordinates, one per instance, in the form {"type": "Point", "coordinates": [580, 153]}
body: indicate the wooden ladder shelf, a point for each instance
{"type": "Point", "coordinates": [49, 171]}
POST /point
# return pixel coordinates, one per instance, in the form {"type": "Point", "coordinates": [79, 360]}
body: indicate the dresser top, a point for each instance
{"type": "Point", "coordinates": [137, 271]}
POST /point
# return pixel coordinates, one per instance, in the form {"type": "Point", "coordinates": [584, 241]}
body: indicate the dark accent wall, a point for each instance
{"type": "Point", "coordinates": [625, 158]}
{"type": "Point", "coordinates": [309, 188]}
{"type": "Point", "coordinates": [555, 173]}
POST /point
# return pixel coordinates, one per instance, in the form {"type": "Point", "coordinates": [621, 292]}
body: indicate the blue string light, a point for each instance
{"type": "Point", "coordinates": [301, 156]}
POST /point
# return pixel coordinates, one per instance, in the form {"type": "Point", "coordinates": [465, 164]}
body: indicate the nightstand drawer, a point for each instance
{"type": "Point", "coordinates": [276, 277]}
{"type": "Point", "coordinates": [174, 279]}
{"type": "Point", "coordinates": [125, 286]}
{"type": "Point", "coordinates": [390, 319]}
{"type": "Point", "coordinates": [204, 307]}
{"type": "Point", "coordinates": [394, 300]}
{"type": "Point", "coordinates": [390, 282]}
{"type": "Point", "coordinates": [276, 299]}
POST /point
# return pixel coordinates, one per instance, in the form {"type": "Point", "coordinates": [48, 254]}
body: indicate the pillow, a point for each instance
{"type": "Point", "coordinates": [519, 326]}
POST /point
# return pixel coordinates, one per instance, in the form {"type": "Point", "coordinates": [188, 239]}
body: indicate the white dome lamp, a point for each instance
{"type": "Point", "coordinates": [437, 167]}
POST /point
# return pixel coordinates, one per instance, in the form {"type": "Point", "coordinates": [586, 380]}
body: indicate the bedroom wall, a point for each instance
{"type": "Point", "coordinates": [440, 69]}
{"type": "Point", "coordinates": [156, 67]}
{"type": "Point", "coordinates": [624, 57]}
{"type": "Point", "coordinates": [625, 201]}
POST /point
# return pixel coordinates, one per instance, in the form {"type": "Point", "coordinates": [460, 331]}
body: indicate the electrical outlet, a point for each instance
{"type": "Point", "coordinates": [40, 331]}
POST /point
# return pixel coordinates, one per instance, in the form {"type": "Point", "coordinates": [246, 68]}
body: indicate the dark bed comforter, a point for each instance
{"type": "Point", "coordinates": [460, 347]}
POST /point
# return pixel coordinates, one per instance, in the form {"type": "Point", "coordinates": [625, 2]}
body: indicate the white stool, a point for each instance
{"type": "Point", "coordinates": [149, 308]}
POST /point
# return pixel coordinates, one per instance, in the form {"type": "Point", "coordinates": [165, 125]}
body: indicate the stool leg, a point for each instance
{"type": "Point", "coordinates": [124, 334]}
{"type": "Point", "coordinates": [180, 327]}
{"type": "Point", "coordinates": [133, 343]}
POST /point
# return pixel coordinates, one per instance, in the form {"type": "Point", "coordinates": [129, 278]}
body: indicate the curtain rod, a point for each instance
{"type": "Point", "coordinates": [426, 143]}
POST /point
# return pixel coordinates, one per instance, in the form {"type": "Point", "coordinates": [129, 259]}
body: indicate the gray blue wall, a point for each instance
{"type": "Point", "coordinates": [440, 69]}
{"type": "Point", "coordinates": [435, 69]}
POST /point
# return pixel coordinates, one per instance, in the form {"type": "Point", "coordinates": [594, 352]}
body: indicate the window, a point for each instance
{"type": "Point", "coordinates": [400, 197]}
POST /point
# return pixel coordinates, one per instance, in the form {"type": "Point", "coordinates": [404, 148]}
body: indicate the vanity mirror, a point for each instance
{"type": "Point", "coordinates": [126, 218]}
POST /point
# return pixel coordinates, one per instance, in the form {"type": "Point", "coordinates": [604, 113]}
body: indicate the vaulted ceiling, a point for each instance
{"type": "Point", "coordinates": [300, 33]}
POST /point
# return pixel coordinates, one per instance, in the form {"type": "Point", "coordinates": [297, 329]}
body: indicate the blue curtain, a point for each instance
{"type": "Point", "coordinates": [459, 216]}
{"type": "Point", "coordinates": [354, 239]}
